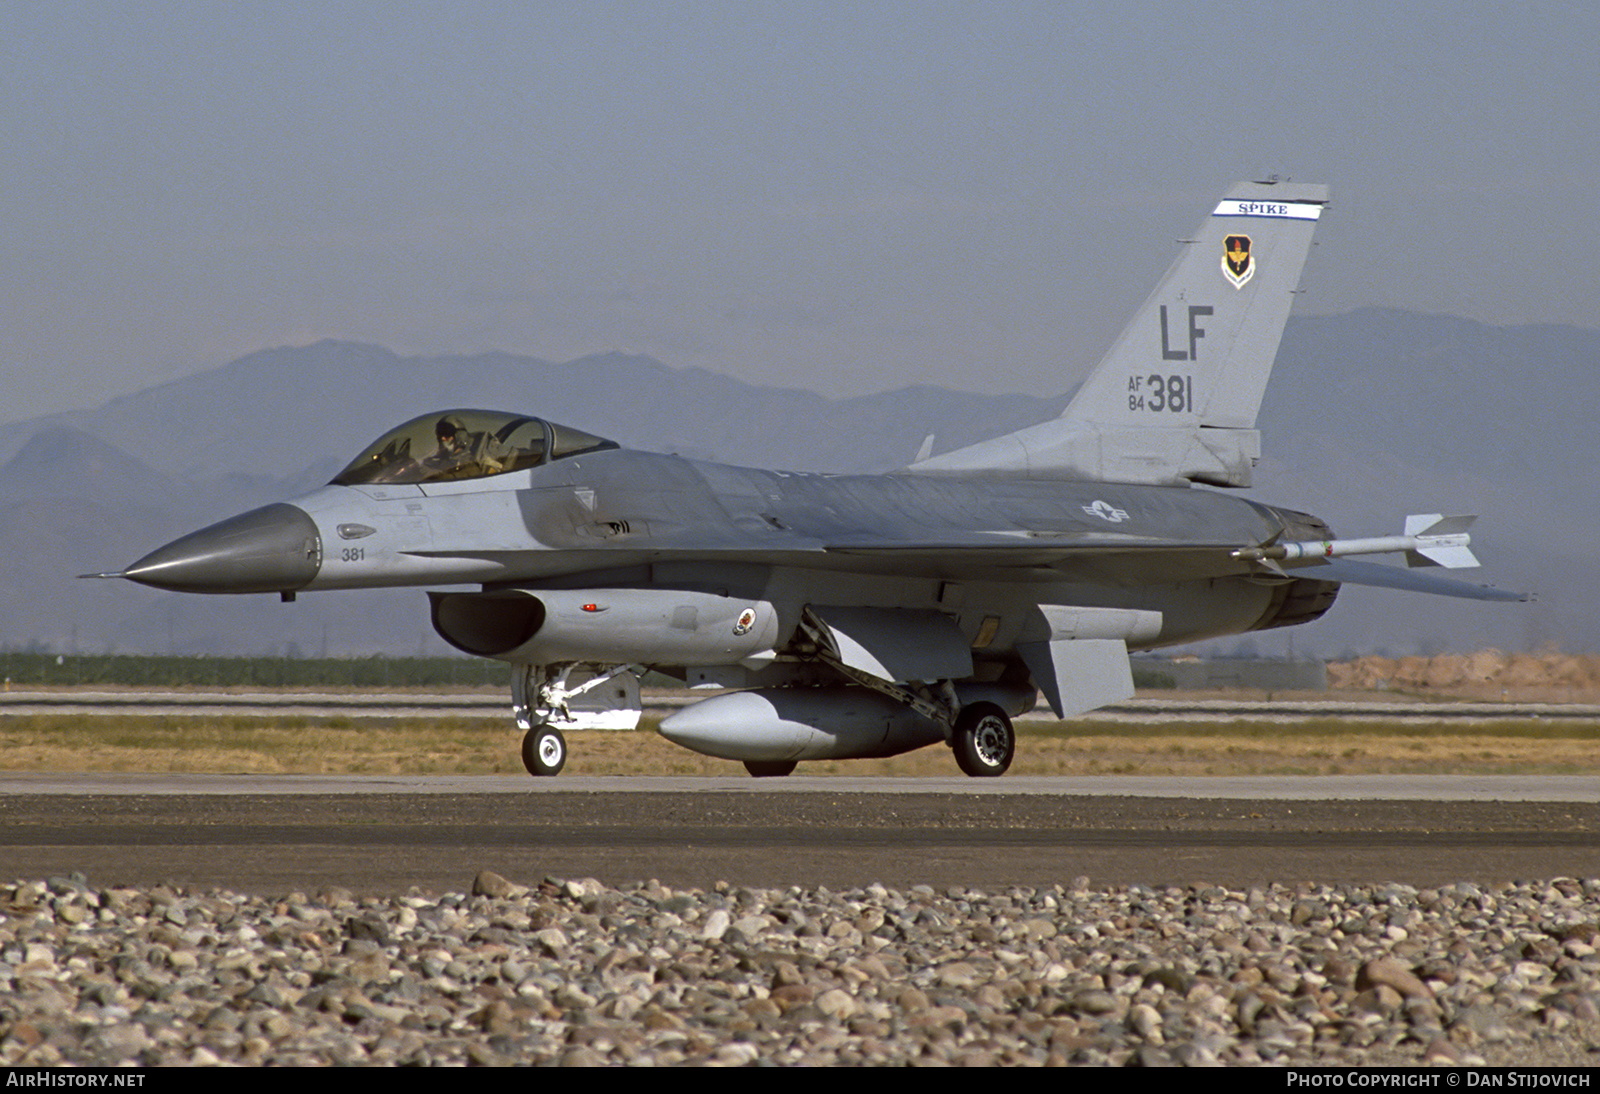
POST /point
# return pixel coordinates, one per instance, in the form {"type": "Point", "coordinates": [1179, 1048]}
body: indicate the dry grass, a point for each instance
{"type": "Point", "coordinates": [253, 745]}
{"type": "Point", "coordinates": [1314, 747]}
{"type": "Point", "coordinates": [281, 746]}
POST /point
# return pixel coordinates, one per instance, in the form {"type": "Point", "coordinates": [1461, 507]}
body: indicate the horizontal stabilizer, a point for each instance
{"type": "Point", "coordinates": [1356, 572]}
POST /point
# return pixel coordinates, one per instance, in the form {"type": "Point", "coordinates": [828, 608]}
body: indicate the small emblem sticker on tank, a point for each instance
{"type": "Point", "coordinates": [747, 619]}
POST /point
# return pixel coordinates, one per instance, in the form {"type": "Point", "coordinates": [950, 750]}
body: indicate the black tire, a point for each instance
{"type": "Point", "coordinates": [770, 769]}
{"type": "Point", "coordinates": [984, 741]}
{"type": "Point", "coordinates": [544, 751]}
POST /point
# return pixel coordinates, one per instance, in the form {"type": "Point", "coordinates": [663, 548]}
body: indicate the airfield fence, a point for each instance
{"type": "Point", "coordinates": [27, 668]}
{"type": "Point", "coordinates": [36, 668]}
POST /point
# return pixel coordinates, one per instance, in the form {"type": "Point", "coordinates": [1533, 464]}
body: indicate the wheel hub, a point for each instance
{"type": "Point", "coordinates": [550, 750]}
{"type": "Point", "coordinates": [989, 740]}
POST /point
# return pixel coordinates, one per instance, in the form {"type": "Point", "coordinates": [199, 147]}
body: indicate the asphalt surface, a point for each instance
{"type": "Point", "coordinates": [387, 835]}
{"type": "Point", "coordinates": [480, 704]}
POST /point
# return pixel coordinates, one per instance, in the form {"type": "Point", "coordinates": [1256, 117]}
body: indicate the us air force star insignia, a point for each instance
{"type": "Point", "coordinates": [1237, 265]}
{"type": "Point", "coordinates": [747, 619]}
{"type": "Point", "coordinates": [1106, 511]}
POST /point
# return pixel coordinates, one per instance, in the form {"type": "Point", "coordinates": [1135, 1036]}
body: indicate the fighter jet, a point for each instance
{"type": "Point", "coordinates": [856, 615]}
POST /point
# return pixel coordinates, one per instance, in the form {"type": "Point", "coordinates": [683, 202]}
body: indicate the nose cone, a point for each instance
{"type": "Point", "coordinates": [273, 549]}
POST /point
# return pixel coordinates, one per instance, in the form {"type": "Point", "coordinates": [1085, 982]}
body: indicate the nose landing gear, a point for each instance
{"type": "Point", "coordinates": [544, 751]}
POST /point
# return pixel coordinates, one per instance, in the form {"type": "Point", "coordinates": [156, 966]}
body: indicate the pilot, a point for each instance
{"type": "Point", "coordinates": [461, 453]}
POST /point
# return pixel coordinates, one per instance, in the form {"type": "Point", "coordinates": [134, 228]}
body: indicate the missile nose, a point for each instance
{"type": "Point", "coordinates": [273, 549]}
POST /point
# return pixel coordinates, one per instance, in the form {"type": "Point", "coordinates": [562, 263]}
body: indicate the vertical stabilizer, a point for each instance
{"type": "Point", "coordinates": [1175, 398]}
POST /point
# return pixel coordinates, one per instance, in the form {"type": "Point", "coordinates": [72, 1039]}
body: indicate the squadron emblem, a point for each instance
{"type": "Point", "coordinates": [1237, 264]}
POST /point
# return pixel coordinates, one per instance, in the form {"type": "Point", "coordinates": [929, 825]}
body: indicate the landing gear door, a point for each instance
{"type": "Point", "coordinates": [897, 644]}
{"type": "Point", "coordinates": [1079, 674]}
{"type": "Point", "coordinates": [575, 697]}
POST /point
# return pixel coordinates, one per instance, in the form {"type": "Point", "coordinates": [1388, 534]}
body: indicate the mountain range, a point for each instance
{"type": "Point", "coordinates": [1371, 415]}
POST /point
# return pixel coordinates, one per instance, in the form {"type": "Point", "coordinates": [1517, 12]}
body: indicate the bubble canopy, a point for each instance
{"type": "Point", "coordinates": [449, 445]}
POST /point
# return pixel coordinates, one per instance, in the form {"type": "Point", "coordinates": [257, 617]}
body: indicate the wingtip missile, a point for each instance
{"type": "Point", "coordinates": [1429, 540]}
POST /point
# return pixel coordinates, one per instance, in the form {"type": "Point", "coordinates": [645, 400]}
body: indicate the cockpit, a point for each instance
{"type": "Point", "coordinates": [465, 444]}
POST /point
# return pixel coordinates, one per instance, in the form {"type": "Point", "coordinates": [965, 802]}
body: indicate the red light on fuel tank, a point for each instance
{"type": "Point", "coordinates": [593, 608]}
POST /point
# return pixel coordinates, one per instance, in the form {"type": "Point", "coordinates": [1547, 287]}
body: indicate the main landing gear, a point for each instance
{"type": "Point", "coordinates": [983, 740]}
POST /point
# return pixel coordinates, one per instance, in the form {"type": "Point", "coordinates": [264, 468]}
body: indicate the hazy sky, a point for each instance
{"type": "Point", "coordinates": [842, 198]}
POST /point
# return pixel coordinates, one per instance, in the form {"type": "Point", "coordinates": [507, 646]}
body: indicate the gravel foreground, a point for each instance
{"type": "Point", "coordinates": [574, 972]}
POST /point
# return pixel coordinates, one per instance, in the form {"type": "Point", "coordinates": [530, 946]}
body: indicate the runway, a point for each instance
{"type": "Point", "coordinates": [1439, 788]}
{"type": "Point", "coordinates": [480, 704]}
{"type": "Point", "coordinates": [383, 835]}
